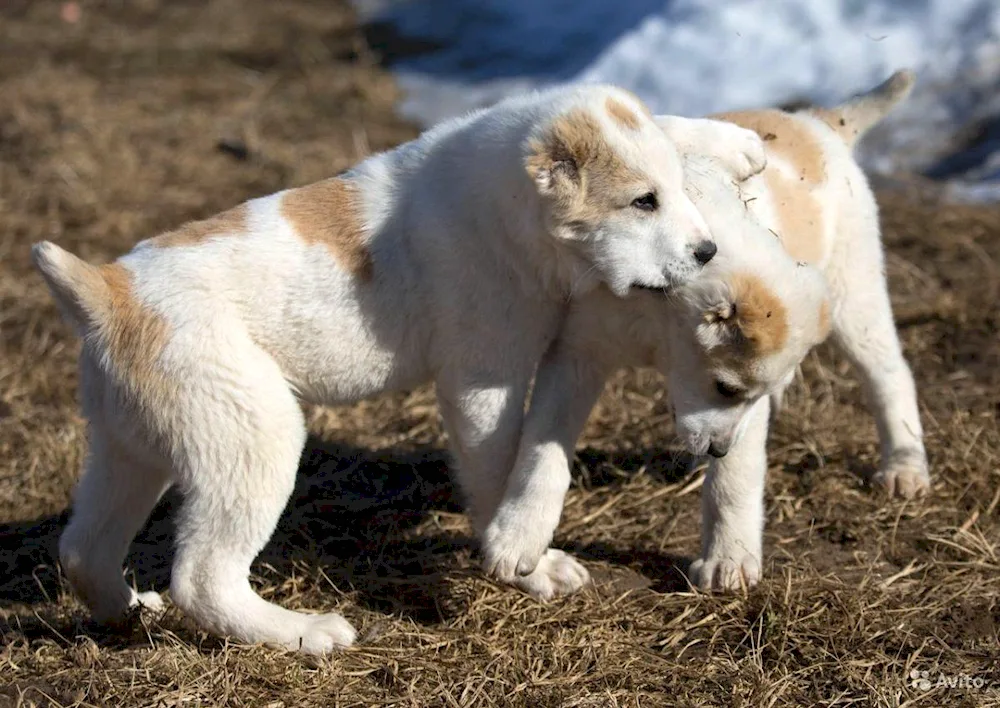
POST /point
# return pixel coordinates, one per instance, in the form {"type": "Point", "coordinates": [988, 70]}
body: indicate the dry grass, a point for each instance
{"type": "Point", "coordinates": [110, 131]}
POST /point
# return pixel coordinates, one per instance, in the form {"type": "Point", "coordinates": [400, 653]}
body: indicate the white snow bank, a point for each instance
{"type": "Point", "coordinates": [692, 57]}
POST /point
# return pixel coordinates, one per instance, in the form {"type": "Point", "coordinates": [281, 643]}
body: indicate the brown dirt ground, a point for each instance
{"type": "Point", "coordinates": [145, 114]}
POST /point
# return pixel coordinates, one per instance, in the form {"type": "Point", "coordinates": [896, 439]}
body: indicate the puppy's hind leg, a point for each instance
{"type": "Point", "coordinates": [864, 329]}
{"type": "Point", "coordinates": [241, 441]}
{"type": "Point", "coordinates": [112, 501]}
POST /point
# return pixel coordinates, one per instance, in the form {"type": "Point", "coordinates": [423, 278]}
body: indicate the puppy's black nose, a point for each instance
{"type": "Point", "coordinates": [705, 252]}
{"type": "Point", "coordinates": [717, 450]}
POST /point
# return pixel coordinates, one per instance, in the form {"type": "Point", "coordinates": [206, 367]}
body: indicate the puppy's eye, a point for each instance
{"type": "Point", "coordinates": [726, 391]}
{"type": "Point", "coordinates": [647, 202]}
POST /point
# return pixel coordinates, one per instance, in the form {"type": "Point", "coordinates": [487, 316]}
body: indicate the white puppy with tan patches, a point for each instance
{"type": "Point", "coordinates": [449, 259]}
{"type": "Point", "coordinates": [729, 343]}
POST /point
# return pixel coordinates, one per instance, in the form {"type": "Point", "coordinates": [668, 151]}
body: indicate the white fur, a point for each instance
{"type": "Point", "coordinates": [471, 277]}
{"type": "Point", "coordinates": [602, 334]}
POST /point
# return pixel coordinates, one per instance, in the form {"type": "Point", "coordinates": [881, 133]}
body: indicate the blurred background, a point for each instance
{"type": "Point", "coordinates": [692, 57]}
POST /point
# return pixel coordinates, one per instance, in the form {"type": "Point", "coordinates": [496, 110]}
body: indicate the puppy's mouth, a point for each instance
{"type": "Point", "coordinates": [661, 289]}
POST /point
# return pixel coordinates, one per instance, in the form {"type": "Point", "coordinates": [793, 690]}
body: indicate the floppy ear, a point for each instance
{"type": "Point", "coordinates": [723, 325]}
{"type": "Point", "coordinates": [719, 326]}
{"type": "Point", "coordinates": [556, 158]}
{"type": "Point", "coordinates": [721, 312]}
{"type": "Point", "coordinates": [553, 168]}
{"type": "Point", "coordinates": [752, 316]}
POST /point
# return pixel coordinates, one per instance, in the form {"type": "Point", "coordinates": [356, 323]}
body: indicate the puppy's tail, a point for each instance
{"type": "Point", "coordinates": [851, 120]}
{"type": "Point", "coordinates": [79, 288]}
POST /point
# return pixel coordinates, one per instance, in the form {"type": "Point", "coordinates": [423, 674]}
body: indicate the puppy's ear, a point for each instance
{"type": "Point", "coordinates": [554, 171]}
{"type": "Point", "coordinates": [721, 312]}
{"type": "Point", "coordinates": [751, 317]}
{"type": "Point", "coordinates": [557, 157]}
{"type": "Point", "coordinates": [719, 325]}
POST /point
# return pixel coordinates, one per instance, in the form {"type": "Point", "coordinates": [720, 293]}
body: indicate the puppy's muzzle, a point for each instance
{"type": "Point", "coordinates": [703, 253]}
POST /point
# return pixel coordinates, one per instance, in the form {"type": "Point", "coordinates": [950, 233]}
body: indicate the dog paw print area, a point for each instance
{"type": "Point", "coordinates": [453, 55]}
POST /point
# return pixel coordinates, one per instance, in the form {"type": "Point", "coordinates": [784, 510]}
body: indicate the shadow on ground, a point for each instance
{"type": "Point", "coordinates": [350, 515]}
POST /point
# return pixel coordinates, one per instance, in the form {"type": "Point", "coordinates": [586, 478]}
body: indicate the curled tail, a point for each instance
{"type": "Point", "coordinates": [851, 120]}
{"type": "Point", "coordinates": [79, 288]}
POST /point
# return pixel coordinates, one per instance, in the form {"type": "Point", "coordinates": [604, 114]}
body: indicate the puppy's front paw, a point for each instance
{"type": "Point", "coordinates": [725, 574]}
{"type": "Point", "coordinates": [510, 552]}
{"type": "Point", "coordinates": [150, 604]}
{"type": "Point", "coordinates": [557, 574]}
{"type": "Point", "coordinates": [905, 474]}
{"type": "Point", "coordinates": [744, 152]}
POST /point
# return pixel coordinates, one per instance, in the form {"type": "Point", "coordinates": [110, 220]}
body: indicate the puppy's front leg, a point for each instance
{"type": "Point", "coordinates": [483, 422]}
{"type": "Point", "coordinates": [732, 504]}
{"type": "Point", "coordinates": [740, 150]}
{"type": "Point", "coordinates": [516, 543]}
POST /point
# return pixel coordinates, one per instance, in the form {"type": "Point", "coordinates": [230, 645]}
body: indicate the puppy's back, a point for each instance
{"type": "Point", "coordinates": [812, 181]}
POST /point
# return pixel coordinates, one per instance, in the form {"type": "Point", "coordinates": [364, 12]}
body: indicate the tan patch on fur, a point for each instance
{"type": "Point", "coordinates": [328, 213]}
{"type": "Point", "coordinates": [759, 315]}
{"type": "Point", "coordinates": [588, 178]}
{"type": "Point", "coordinates": [229, 223]}
{"type": "Point", "coordinates": [835, 118]}
{"type": "Point", "coordinates": [122, 346]}
{"type": "Point", "coordinates": [800, 216]}
{"type": "Point", "coordinates": [135, 335]}
{"type": "Point", "coordinates": [622, 114]}
{"type": "Point", "coordinates": [787, 137]}
{"type": "Point", "coordinates": [130, 337]}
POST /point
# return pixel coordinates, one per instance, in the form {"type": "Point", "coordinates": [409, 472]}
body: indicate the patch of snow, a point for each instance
{"type": "Point", "coordinates": [694, 57]}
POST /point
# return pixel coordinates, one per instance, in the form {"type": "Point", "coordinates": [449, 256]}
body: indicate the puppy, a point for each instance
{"type": "Point", "coordinates": [449, 259]}
{"type": "Point", "coordinates": [800, 252]}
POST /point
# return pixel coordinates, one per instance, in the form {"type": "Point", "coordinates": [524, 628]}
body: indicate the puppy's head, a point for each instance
{"type": "Point", "coordinates": [739, 336]}
{"type": "Point", "coordinates": [611, 187]}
